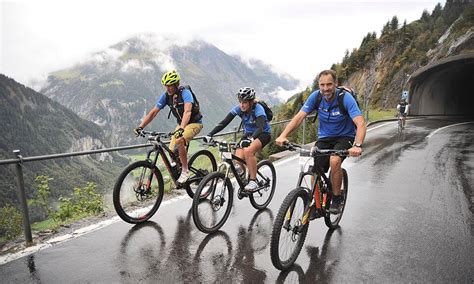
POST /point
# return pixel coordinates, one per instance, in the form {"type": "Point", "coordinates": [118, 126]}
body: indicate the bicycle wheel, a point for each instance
{"type": "Point", "coordinates": [138, 192]}
{"type": "Point", "coordinates": [200, 165]}
{"type": "Point", "coordinates": [332, 220]}
{"type": "Point", "coordinates": [266, 179]}
{"type": "Point", "coordinates": [288, 232]}
{"type": "Point", "coordinates": [399, 127]}
{"type": "Point", "coordinates": [212, 208]}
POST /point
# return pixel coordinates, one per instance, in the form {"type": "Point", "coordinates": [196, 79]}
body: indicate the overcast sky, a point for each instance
{"type": "Point", "coordinates": [299, 37]}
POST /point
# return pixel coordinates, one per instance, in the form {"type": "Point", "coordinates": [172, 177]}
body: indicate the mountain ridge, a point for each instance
{"type": "Point", "coordinates": [38, 126]}
{"type": "Point", "coordinates": [117, 86]}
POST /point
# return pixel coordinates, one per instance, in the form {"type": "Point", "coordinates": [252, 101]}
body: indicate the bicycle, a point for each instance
{"type": "Point", "coordinates": [293, 218]}
{"type": "Point", "coordinates": [139, 189]}
{"type": "Point", "coordinates": [400, 123]}
{"type": "Point", "coordinates": [215, 192]}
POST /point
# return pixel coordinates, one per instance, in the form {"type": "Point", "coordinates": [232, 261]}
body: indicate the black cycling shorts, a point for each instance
{"type": "Point", "coordinates": [337, 143]}
{"type": "Point", "coordinates": [264, 138]}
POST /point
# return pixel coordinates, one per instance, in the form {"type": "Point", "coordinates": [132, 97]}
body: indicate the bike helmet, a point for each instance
{"type": "Point", "coordinates": [246, 94]}
{"type": "Point", "coordinates": [170, 78]}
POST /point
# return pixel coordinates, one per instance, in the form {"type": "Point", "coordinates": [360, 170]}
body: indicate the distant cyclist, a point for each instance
{"type": "Point", "coordinates": [336, 130]}
{"type": "Point", "coordinates": [256, 127]}
{"type": "Point", "coordinates": [402, 108]}
{"type": "Point", "coordinates": [187, 114]}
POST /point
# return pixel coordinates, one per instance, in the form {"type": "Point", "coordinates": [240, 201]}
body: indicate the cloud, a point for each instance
{"type": "Point", "coordinates": [299, 37]}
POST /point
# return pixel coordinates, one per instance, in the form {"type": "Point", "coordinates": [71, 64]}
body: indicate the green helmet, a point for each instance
{"type": "Point", "coordinates": [170, 78]}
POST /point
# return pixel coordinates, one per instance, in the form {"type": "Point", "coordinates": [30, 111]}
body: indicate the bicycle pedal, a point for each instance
{"type": "Point", "coordinates": [180, 186]}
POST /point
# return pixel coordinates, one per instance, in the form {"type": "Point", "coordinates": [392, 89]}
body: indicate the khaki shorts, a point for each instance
{"type": "Point", "coordinates": [190, 131]}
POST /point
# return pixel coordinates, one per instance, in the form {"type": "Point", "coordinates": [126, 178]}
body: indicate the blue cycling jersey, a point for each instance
{"type": "Point", "coordinates": [249, 119]}
{"type": "Point", "coordinates": [187, 98]}
{"type": "Point", "coordinates": [332, 122]}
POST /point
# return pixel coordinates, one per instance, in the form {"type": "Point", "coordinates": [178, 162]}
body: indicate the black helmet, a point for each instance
{"type": "Point", "coordinates": [246, 94]}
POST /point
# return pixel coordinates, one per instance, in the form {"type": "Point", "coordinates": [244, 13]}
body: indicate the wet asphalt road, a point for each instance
{"type": "Point", "coordinates": [407, 220]}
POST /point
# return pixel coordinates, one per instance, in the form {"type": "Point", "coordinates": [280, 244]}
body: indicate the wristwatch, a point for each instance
{"type": "Point", "coordinates": [357, 145]}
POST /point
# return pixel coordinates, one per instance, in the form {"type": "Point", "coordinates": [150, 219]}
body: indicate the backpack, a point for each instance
{"type": "Point", "coordinates": [178, 108]}
{"type": "Point", "coordinates": [268, 111]}
{"type": "Point", "coordinates": [340, 99]}
{"type": "Point", "coordinates": [402, 107]}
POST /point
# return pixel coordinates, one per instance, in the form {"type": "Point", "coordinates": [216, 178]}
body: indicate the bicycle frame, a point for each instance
{"type": "Point", "coordinates": [160, 148]}
{"type": "Point", "coordinates": [229, 165]}
{"type": "Point", "coordinates": [318, 192]}
{"type": "Point", "coordinates": [228, 159]}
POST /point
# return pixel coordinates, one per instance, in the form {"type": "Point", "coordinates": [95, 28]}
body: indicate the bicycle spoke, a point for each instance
{"type": "Point", "coordinates": [289, 237]}
{"type": "Point", "coordinates": [289, 232]}
{"type": "Point", "coordinates": [266, 185]}
{"type": "Point", "coordinates": [211, 210]}
{"type": "Point", "coordinates": [200, 165]}
{"type": "Point", "coordinates": [138, 192]}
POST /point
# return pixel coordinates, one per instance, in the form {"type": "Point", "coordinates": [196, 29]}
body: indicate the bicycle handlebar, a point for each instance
{"type": "Point", "coordinates": [154, 135]}
{"type": "Point", "coordinates": [314, 151]}
{"type": "Point", "coordinates": [214, 143]}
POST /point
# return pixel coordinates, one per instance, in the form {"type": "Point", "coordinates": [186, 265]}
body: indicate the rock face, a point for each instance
{"type": "Point", "coordinates": [381, 68]}
{"type": "Point", "coordinates": [115, 88]}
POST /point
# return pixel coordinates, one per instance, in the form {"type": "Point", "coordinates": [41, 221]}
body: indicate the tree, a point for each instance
{"type": "Point", "coordinates": [425, 16]}
{"type": "Point", "coordinates": [394, 23]}
{"type": "Point", "coordinates": [437, 11]}
{"type": "Point", "coordinates": [385, 29]}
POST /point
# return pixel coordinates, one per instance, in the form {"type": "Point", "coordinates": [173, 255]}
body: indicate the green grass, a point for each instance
{"type": "Point", "coordinates": [378, 114]}
{"type": "Point", "coordinates": [44, 225]}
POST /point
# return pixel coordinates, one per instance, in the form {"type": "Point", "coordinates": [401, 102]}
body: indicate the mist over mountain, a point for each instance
{"type": "Point", "coordinates": [116, 87]}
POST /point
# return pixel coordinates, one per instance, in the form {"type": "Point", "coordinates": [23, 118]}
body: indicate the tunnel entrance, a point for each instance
{"type": "Point", "coordinates": [444, 88]}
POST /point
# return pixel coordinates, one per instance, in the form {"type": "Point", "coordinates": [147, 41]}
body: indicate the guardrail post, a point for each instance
{"type": "Point", "coordinates": [22, 198]}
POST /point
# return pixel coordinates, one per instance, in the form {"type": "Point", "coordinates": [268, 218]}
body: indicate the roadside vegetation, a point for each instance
{"type": "Point", "coordinates": [82, 202]}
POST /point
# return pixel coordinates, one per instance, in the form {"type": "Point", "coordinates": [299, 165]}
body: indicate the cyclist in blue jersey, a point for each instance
{"type": "Point", "coordinates": [185, 109]}
{"type": "Point", "coordinates": [257, 131]}
{"type": "Point", "coordinates": [336, 129]}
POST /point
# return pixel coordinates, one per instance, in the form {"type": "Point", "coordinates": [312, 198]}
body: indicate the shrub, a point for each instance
{"type": "Point", "coordinates": [10, 222]}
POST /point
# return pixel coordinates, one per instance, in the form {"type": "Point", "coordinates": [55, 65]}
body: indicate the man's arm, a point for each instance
{"type": "Point", "coordinates": [360, 135]}
{"type": "Point", "coordinates": [186, 115]}
{"type": "Point", "coordinates": [149, 117]}
{"type": "Point", "coordinates": [292, 125]}
{"type": "Point", "coordinates": [361, 129]}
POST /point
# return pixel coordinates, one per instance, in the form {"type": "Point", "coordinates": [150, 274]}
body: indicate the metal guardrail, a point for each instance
{"type": "Point", "coordinates": [20, 160]}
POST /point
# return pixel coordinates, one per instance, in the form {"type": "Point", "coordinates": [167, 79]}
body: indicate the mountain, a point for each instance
{"type": "Point", "coordinates": [38, 126]}
{"type": "Point", "coordinates": [379, 69]}
{"type": "Point", "coordinates": [116, 87]}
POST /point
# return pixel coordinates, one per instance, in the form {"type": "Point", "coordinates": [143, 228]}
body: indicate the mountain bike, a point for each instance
{"type": "Point", "coordinates": [214, 196]}
{"type": "Point", "coordinates": [292, 221]}
{"type": "Point", "coordinates": [139, 189]}
{"type": "Point", "coordinates": [400, 123]}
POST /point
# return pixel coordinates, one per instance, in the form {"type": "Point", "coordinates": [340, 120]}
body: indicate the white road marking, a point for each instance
{"type": "Point", "coordinates": [439, 129]}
